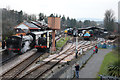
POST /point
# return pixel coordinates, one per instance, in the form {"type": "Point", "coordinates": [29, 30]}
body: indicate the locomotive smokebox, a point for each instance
{"type": "Point", "coordinates": [54, 24]}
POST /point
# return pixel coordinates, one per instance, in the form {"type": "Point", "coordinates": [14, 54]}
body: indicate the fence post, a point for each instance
{"type": "Point", "coordinates": [100, 77]}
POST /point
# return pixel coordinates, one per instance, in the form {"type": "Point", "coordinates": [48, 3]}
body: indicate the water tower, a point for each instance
{"type": "Point", "coordinates": [54, 24]}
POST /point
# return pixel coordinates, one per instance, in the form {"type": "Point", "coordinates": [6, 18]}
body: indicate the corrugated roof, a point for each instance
{"type": "Point", "coordinates": [30, 25]}
{"type": "Point", "coordinates": [40, 24]}
{"type": "Point", "coordinates": [22, 26]}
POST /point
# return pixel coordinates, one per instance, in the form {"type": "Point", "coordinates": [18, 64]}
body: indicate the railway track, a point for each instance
{"type": "Point", "coordinates": [13, 72]}
{"type": "Point", "coordinates": [45, 67]}
{"type": "Point", "coordinates": [16, 70]}
{"type": "Point", "coordinates": [7, 57]}
{"type": "Point", "coordinates": [59, 37]}
{"type": "Point", "coordinates": [42, 65]}
{"type": "Point", "coordinates": [40, 70]}
{"type": "Point", "coordinates": [61, 65]}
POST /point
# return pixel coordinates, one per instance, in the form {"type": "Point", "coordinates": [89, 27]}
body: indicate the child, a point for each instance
{"type": "Point", "coordinates": [93, 51]}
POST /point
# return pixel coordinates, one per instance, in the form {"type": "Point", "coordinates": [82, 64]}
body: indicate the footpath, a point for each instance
{"type": "Point", "coordinates": [91, 69]}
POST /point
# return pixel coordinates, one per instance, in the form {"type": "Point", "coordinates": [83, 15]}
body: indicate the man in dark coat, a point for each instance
{"type": "Point", "coordinates": [3, 44]}
{"type": "Point", "coordinates": [96, 49]}
{"type": "Point", "coordinates": [77, 70]}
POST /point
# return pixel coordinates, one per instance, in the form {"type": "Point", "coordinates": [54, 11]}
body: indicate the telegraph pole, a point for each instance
{"type": "Point", "coordinates": [75, 35]}
{"type": "Point", "coordinates": [76, 46]}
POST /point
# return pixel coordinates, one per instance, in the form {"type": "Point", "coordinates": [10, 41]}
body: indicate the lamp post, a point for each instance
{"type": "Point", "coordinates": [75, 35]}
{"type": "Point", "coordinates": [76, 46]}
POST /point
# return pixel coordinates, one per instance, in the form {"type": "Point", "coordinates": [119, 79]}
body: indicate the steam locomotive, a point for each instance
{"type": "Point", "coordinates": [20, 44]}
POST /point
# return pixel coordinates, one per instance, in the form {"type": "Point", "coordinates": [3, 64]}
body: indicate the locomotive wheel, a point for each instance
{"type": "Point", "coordinates": [20, 52]}
{"type": "Point", "coordinates": [9, 51]}
{"type": "Point", "coordinates": [41, 50]}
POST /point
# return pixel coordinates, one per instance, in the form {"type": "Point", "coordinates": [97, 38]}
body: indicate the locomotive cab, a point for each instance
{"type": "Point", "coordinates": [43, 41]}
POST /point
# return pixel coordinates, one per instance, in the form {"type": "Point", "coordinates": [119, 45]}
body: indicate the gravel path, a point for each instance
{"type": "Point", "coordinates": [93, 65]}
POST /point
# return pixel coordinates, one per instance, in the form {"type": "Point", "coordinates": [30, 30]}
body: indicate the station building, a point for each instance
{"type": "Point", "coordinates": [27, 27]}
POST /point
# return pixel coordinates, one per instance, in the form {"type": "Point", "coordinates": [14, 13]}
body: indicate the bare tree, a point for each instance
{"type": "Point", "coordinates": [109, 20]}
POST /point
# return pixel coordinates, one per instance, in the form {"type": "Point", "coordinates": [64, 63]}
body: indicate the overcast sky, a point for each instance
{"type": "Point", "coordinates": [72, 8]}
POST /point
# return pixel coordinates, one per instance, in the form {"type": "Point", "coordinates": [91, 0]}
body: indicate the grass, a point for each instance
{"type": "Point", "coordinates": [102, 48]}
{"type": "Point", "coordinates": [110, 58]}
{"type": "Point", "coordinates": [61, 42]}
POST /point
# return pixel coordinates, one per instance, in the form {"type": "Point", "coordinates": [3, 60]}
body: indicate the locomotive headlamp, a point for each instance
{"type": "Point", "coordinates": [65, 31]}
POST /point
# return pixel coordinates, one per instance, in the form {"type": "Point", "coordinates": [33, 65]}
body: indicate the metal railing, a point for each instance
{"type": "Point", "coordinates": [102, 77]}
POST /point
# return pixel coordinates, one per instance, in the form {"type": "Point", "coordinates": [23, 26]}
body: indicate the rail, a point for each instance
{"type": "Point", "coordinates": [19, 68]}
{"type": "Point", "coordinates": [68, 71]}
{"type": "Point", "coordinates": [34, 70]}
{"type": "Point", "coordinates": [40, 70]}
{"type": "Point", "coordinates": [11, 57]}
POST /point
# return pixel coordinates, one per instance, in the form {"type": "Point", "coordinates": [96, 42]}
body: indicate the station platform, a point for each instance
{"type": "Point", "coordinates": [1, 50]}
{"type": "Point", "coordinates": [92, 67]}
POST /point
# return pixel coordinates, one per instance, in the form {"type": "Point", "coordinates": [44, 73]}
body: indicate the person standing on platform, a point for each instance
{"type": "Point", "coordinates": [77, 70]}
{"type": "Point", "coordinates": [93, 51]}
{"type": "Point", "coordinates": [3, 44]}
{"type": "Point", "coordinates": [96, 49]}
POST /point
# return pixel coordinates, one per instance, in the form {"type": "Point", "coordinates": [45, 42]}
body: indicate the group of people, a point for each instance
{"type": "Point", "coordinates": [77, 67]}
